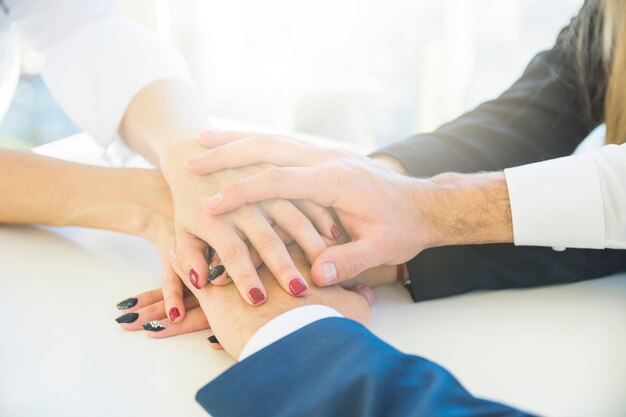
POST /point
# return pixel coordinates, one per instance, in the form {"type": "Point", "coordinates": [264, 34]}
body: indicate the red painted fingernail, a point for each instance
{"type": "Point", "coordinates": [174, 313]}
{"type": "Point", "coordinates": [297, 286]}
{"type": "Point", "coordinates": [193, 278]}
{"type": "Point", "coordinates": [256, 295]}
{"type": "Point", "coordinates": [335, 232]}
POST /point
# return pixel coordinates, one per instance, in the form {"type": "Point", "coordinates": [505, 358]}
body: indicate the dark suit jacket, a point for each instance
{"type": "Point", "coordinates": [540, 117]}
{"type": "Point", "coordinates": [340, 369]}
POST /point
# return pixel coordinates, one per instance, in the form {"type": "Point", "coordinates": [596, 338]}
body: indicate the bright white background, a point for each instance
{"type": "Point", "coordinates": [371, 71]}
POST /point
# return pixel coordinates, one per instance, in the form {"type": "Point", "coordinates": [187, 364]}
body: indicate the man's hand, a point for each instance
{"type": "Point", "coordinates": [390, 217]}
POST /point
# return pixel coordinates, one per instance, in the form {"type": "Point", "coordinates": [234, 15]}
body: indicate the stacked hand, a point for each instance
{"type": "Point", "coordinates": [234, 321]}
{"type": "Point", "coordinates": [377, 207]}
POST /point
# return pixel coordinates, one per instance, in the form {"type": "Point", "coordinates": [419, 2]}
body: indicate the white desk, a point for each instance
{"type": "Point", "coordinates": [559, 351]}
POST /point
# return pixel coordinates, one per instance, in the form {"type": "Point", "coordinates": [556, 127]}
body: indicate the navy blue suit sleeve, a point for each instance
{"type": "Point", "coordinates": [337, 368]}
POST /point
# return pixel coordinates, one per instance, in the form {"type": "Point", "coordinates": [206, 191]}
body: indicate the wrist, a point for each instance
{"type": "Point", "coordinates": [466, 209]}
{"type": "Point", "coordinates": [120, 200]}
{"type": "Point", "coordinates": [389, 162]}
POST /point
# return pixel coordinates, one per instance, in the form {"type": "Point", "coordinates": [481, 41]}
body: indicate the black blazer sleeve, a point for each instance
{"type": "Point", "coordinates": [539, 117]}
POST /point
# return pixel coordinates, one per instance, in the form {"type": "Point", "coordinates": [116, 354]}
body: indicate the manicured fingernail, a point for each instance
{"type": "Point", "coordinates": [193, 278]}
{"type": "Point", "coordinates": [329, 273]}
{"type": "Point", "coordinates": [215, 201]}
{"type": "Point", "coordinates": [213, 339]}
{"type": "Point", "coordinates": [216, 272]}
{"type": "Point", "coordinates": [297, 286]}
{"type": "Point", "coordinates": [127, 303]}
{"type": "Point", "coordinates": [127, 318]}
{"type": "Point", "coordinates": [335, 232]}
{"type": "Point", "coordinates": [174, 313]}
{"type": "Point", "coordinates": [154, 326]}
{"type": "Point", "coordinates": [256, 296]}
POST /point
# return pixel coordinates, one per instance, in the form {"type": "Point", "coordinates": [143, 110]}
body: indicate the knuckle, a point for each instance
{"type": "Point", "coordinates": [234, 253]}
{"type": "Point", "coordinates": [353, 263]}
{"type": "Point", "coordinates": [150, 310]}
{"type": "Point", "coordinates": [246, 213]}
{"type": "Point", "coordinates": [299, 223]}
{"type": "Point", "coordinates": [267, 241]}
{"type": "Point", "coordinates": [274, 174]}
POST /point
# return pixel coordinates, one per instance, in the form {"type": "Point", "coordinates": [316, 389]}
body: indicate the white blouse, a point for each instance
{"type": "Point", "coordinates": [96, 59]}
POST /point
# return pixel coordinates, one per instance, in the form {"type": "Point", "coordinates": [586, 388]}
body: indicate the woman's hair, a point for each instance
{"type": "Point", "coordinates": [599, 36]}
{"type": "Point", "coordinates": [614, 41]}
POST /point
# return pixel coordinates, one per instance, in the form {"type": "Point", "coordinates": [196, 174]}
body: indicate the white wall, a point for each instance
{"type": "Point", "coordinates": [371, 71]}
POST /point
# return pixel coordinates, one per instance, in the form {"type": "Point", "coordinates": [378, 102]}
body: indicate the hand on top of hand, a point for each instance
{"type": "Point", "coordinates": [380, 209]}
{"type": "Point", "coordinates": [264, 225]}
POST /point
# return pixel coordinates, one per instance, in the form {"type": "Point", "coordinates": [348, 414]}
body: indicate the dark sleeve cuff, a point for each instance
{"type": "Point", "coordinates": [452, 270]}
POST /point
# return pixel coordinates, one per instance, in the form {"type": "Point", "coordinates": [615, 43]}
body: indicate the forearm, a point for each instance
{"type": "Point", "coordinates": [161, 114]}
{"type": "Point", "coordinates": [466, 209]}
{"type": "Point", "coordinates": [49, 191]}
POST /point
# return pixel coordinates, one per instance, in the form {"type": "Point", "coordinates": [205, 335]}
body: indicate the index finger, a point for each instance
{"type": "Point", "coordinates": [257, 149]}
{"type": "Point", "coordinates": [285, 183]}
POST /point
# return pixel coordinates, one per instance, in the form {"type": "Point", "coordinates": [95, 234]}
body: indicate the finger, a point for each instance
{"type": "Point", "coordinates": [271, 250]}
{"type": "Point", "coordinates": [285, 183]}
{"type": "Point", "coordinates": [190, 259]}
{"type": "Point", "coordinates": [235, 257]}
{"type": "Point", "coordinates": [141, 300]}
{"type": "Point", "coordinates": [254, 255]}
{"type": "Point", "coordinates": [212, 138]}
{"type": "Point", "coordinates": [342, 262]}
{"type": "Point", "coordinates": [173, 295]}
{"type": "Point", "coordinates": [156, 311]}
{"type": "Point", "coordinates": [365, 294]}
{"type": "Point", "coordinates": [270, 149]}
{"type": "Point", "coordinates": [194, 320]}
{"type": "Point", "coordinates": [296, 225]}
{"type": "Point", "coordinates": [321, 218]}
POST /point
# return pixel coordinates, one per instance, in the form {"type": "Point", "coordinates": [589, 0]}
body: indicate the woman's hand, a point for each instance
{"type": "Point", "coordinates": [149, 213]}
{"type": "Point", "coordinates": [380, 209]}
{"type": "Point", "coordinates": [233, 321]}
{"type": "Point", "coordinates": [261, 224]}
{"type": "Point", "coordinates": [147, 312]}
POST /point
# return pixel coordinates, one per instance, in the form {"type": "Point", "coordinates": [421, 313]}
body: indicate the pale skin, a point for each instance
{"type": "Point", "coordinates": [53, 192]}
{"type": "Point", "coordinates": [390, 217]}
{"type": "Point", "coordinates": [163, 122]}
{"type": "Point", "coordinates": [234, 321]}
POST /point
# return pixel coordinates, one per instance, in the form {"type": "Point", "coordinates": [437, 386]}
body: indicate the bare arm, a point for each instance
{"type": "Point", "coordinates": [42, 190]}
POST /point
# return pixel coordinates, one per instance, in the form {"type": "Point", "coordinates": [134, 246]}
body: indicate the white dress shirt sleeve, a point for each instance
{"type": "Point", "coordinates": [96, 58]}
{"type": "Point", "coordinates": [285, 324]}
{"type": "Point", "coordinates": [577, 201]}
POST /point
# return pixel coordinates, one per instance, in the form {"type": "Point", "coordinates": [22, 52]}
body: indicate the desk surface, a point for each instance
{"type": "Point", "coordinates": [557, 351]}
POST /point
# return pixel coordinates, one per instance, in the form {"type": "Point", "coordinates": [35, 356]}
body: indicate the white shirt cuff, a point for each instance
{"type": "Point", "coordinates": [285, 324]}
{"type": "Point", "coordinates": [557, 203]}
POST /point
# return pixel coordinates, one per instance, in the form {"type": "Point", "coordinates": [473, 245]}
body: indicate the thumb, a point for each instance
{"type": "Point", "coordinates": [342, 262]}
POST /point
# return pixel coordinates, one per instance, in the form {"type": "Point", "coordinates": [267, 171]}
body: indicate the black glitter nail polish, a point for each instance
{"type": "Point", "coordinates": [213, 339]}
{"type": "Point", "coordinates": [216, 272]}
{"type": "Point", "coordinates": [154, 326]}
{"type": "Point", "coordinates": [127, 303]}
{"type": "Point", "coordinates": [127, 318]}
